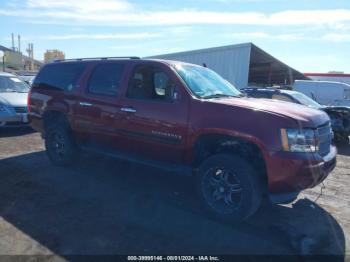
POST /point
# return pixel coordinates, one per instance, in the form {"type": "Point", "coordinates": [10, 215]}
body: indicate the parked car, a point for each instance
{"type": "Point", "coordinates": [13, 101]}
{"type": "Point", "coordinates": [325, 92]}
{"type": "Point", "coordinates": [188, 120]}
{"type": "Point", "coordinates": [27, 78]}
{"type": "Point", "coordinates": [339, 115]}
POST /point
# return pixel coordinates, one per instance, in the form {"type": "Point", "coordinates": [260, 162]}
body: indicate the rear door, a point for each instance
{"type": "Point", "coordinates": [154, 113]}
{"type": "Point", "coordinates": [97, 111]}
{"type": "Point", "coordinates": [56, 88]}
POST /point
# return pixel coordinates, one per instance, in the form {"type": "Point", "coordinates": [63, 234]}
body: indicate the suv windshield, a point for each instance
{"type": "Point", "coordinates": [305, 100]}
{"type": "Point", "coordinates": [12, 84]}
{"type": "Point", "coordinates": [205, 83]}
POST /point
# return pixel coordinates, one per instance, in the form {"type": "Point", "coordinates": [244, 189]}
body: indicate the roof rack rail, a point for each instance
{"type": "Point", "coordinates": [97, 58]}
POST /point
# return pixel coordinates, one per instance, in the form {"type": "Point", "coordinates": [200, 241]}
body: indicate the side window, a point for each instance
{"type": "Point", "coordinates": [59, 76]}
{"type": "Point", "coordinates": [149, 82]}
{"type": "Point", "coordinates": [105, 79]}
{"type": "Point", "coordinates": [161, 81]}
{"type": "Point", "coordinates": [3, 84]}
{"type": "Point", "coordinates": [261, 95]}
{"type": "Point", "coordinates": [346, 93]}
{"type": "Point", "coordinates": [282, 98]}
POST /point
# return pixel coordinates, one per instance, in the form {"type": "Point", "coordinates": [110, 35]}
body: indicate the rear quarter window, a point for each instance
{"type": "Point", "coordinates": [60, 76]}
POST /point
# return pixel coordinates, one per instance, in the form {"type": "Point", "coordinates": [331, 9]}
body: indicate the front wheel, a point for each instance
{"type": "Point", "coordinates": [60, 146]}
{"type": "Point", "coordinates": [229, 187]}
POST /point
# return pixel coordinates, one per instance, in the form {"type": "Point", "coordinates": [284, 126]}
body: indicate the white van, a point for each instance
{"type": "Point", "coordinates": [325, 92]}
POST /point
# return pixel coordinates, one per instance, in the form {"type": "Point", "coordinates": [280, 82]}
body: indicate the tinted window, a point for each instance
{"type": "Point", "coordinates": [346, 93]}
{"type": "Point", "coordinates": [282, 97]}
{"type": "Point", "coordinates": [305, 100]}
{"type": "Point", "coordinates": [106, 79]}
{"type": "Point", "coordinates": [60, 76]}
{"type": "Point", "coordinates": [260, 94]}
{"type": "Point", "coordinates": [10, 84]}
{"type": "Point", "coordinates": [161, 81]}
{"type": "Point", "coordinates": [149, 82]}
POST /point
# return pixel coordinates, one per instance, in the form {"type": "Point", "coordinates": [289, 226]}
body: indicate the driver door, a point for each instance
{"type": "Point", "coordinates": [154, 119]}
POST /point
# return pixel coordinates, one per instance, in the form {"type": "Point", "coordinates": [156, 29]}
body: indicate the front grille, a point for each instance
{"type": "Point", "coordinates": [325, 139]}
{"type": "Point", "coordinates": [21, 109]}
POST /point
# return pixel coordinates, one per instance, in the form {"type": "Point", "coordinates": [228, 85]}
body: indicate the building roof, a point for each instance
{"type": "Point", "coordinates": [265, 68]}
{"type": "Point", "coordinates": [328, 74]}
{"type": "Point", "coordinates": [6, 74]}
{"type": "Point", "coordinates": [203, 50]}
{"type": "Point", "coordinates": [241, 64]}
{"type": "Point", "coordinates": [3, 48]}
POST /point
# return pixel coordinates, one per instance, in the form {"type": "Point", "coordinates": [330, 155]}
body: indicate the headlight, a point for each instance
{"type": "Point", "coordinates": [299, 140]}
{"type": "Point", "coordinates": [2, 108]}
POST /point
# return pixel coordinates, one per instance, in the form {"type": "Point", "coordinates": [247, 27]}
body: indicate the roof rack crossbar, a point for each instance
{"type": "Point", "coordinates": [97, 58]}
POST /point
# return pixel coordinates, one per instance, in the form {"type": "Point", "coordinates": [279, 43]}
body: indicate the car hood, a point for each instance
{"type": "Point", "coordinates": [13, 99]}
{"type": "Point", "coordinates": [309, 117]}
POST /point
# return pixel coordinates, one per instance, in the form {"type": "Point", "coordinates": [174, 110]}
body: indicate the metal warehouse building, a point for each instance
{"type": "Point", "coordinates": [243, 65]}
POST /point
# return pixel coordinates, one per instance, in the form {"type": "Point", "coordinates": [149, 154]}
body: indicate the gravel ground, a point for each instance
{"type": "Point", "coordinates": [107, 206]}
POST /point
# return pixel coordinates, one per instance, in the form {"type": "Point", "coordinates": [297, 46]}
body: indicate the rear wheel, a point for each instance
{"type": "Point", "coordinates": [229, 187]}
{"type": "Point", "coordinates": [60, 146]}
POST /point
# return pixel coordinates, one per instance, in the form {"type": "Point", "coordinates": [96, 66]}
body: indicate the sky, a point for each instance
{"type": "Point", "coordinates": [309, 35]}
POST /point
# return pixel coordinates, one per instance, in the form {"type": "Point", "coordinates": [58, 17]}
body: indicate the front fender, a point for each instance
{"type": "Point", "coordinates": [193, 138]}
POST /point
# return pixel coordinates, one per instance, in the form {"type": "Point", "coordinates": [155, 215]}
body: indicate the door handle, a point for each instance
{"type": "Point", "coordinates": [128, 109]}
{"type": "Point", "coordinates": [85, 104]}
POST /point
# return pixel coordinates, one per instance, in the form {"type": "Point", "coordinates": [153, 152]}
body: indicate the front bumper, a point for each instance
{"type": "Point", "coordinates": [283, 198]}
{"type": "Point", "coordinates": [15, 119]}
{"type": "Point", "coordinates": [293, 172]}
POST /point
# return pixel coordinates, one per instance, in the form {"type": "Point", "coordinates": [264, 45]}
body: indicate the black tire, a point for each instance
{"type": "Point", "coordinates": [60, 145]}
{"type": "Point", "coordinates": [236, 200]}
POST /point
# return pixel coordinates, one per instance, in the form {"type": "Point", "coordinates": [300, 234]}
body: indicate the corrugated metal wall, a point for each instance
{"type": "Point", "coordinates": [231, 62]}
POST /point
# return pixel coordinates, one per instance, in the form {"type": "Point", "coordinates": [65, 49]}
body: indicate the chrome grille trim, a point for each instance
{"type": "Point", "coordinates": [324, 134]}
{"type": "Point", "coordinates": [20, 109]}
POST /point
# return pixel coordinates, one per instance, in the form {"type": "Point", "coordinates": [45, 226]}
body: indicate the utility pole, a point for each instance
{"type": "Point", "coordinates": [19, 43]}
{"type": "Point", "coordinates": [13, 42]}
{"type": "Point", "coordinates": [32, 57]}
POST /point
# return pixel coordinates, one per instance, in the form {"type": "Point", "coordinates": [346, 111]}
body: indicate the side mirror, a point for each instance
{"type": "Point", "coordinates": [171, 92]}
{"type": "Point", "coordinates": [175, 94]}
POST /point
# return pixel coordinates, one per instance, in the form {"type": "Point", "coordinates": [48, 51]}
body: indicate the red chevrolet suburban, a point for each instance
{"type": "Point", "coordinates": [188, 120]}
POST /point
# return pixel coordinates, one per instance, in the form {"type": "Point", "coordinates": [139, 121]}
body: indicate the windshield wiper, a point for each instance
{"type": "Point", "coordinates": [217, 96]}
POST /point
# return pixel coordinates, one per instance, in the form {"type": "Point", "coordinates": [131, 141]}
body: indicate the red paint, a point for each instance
{"type": "Point", "coordinates": [28, 99]}
{"type": "Point", "coordinates": [257, 121]}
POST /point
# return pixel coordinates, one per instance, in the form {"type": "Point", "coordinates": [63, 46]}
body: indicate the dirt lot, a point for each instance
{"type": "Point", "coordinates": [105, 206]}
